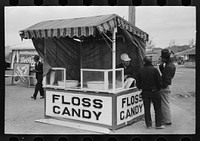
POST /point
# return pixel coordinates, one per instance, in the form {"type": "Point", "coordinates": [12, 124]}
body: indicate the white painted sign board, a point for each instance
{"type": "Point", "coordinates": [82, 107]}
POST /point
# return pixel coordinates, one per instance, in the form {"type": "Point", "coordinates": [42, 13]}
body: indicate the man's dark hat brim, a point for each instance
{"type": "Point", "coordinates": [165, 53]}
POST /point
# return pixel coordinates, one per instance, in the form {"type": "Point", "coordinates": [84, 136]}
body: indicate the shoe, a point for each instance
{"type": "Point", "coordinates": [41, 97]}
{"type": "Point", "coordinates": [33, 97]}
{"type": "Point", "coordinates": [160, 127]}
{"type": "Point", "coordinates": [149, 127]}
{"type": "Point", "coordinates": [167, 123]}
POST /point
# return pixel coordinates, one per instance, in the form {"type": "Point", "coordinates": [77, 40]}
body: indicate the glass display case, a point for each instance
{"type": "Point", "coordinates": [101, 80]}
{"type": "Point", "coordinates": [56, 78]}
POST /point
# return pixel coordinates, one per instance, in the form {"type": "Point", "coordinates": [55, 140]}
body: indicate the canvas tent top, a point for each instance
{"type": "Point", "coordinates": [78, 27]}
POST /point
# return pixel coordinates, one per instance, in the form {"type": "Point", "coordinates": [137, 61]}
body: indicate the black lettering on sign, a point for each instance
{"type": "Point", "coordinates": [121, 115]}
{"type": "Point", "coordinates": [63, 100]}
{"type": "Point", "coordinates": [76, 101]}
{"type": "Point", "coordinates": [123, 102]}
{"type": "Point", "coordinates": [77, 112]}
{"type": "Point", "coordinates": [140, 96]}
{"type": "Point", "coordinates": [86, 114]}
{"type": "Point", "coordinates": [128, 114]}
{"type": "Point", "coordinates": [97, 114]}
{"type": "Point", "coordinates": [86, 102]}
{"type": "Point", "coordinates": [128, 104]}
{"type": "Point", "coordinates": [55, 97]}
{"type": "Point", "coordinates": [132, 99]}
{"type": "Point", "coordinates": [66, 111]}
{"type": "Point", "coordinates": [98, 103]}
{"type": "Point", "coordinates": [140, 106]}
{"type": "Point", "coordinates": [136, 99]}
{"type": "Point", "coordinates": [136, 109]}
{"type": "Point", "coordinates": [56, 111]}
{"type": "Point", "coordinates": [132, 110]}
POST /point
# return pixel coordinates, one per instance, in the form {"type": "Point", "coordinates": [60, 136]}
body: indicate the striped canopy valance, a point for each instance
{"type": "Point", "coordinates": [78, 27]}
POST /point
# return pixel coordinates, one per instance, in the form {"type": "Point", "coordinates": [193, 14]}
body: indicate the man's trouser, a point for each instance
{"type": "Point", "coordinates": [38, 87]}
{"type": "Point", "coordinates": [154, 97]}
{"type": "Point", "coordinates": [165, 105]}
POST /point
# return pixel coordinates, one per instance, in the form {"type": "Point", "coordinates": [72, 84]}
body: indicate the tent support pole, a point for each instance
{"type": "Point", "coordinates": [114, 57]}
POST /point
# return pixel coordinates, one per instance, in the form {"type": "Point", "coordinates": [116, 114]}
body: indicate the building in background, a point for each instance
{"type": "Point", "coordinates": [188, 56]}
{"type": "Point", "coordinates": [23, 53]}
{"type": "Point", "coordinates": [155, 54]}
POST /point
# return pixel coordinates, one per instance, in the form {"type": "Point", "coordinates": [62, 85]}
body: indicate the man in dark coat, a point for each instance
{"type": "Point", "coordinates": [168, 69]}
{"type": "Point", "coordinates": [39, 76]}
{"type": "Point", "coordinates": [149, 80]}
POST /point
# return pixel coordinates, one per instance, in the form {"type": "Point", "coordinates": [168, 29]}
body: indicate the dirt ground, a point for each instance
{"type": "Point", "coordinates": [21, 111]}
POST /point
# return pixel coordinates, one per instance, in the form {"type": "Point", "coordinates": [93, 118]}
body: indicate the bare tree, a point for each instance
{"type": "Point", "coordinates": [150, 44]}
{"type": "Point", "coordinates": [191, 43]}
{"type": "Point", "coordinates": [172, 43]}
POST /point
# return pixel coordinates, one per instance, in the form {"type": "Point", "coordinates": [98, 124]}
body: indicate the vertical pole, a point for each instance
{"type": "Point", "coordinates": [114, 57]}
{"type": "Point", "coordinates": [64, 78]}
{"type": "Point", "coordinates": [131, 14]}
{"type": "Point", "coordinates": [81, 78]}
{"type": "Point", "coordinates": [106, 84]}
{"type": "Point", "coordinates": [81, 71]}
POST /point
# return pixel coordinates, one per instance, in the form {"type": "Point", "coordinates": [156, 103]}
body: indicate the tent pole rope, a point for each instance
{"type": "Point", "coordinates": [107, 37]}
{"type": "Point", "coordinates": [107, 42]}
{"type": "Point", "coordinates": [56, 51]}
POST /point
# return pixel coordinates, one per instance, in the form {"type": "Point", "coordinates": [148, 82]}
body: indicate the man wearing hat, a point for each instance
{"type": "Point", "coordinates": [167, 69]}
{"type": "Point", "coordinates": [128, 70]}
{"type": "Point", "coordinates": [149, 81]}
{"type": "Point", "coordinates": [39, 76]}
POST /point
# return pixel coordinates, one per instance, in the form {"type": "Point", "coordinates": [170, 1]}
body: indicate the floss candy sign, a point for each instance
{"type": "Point", "coordinates": [129, 106]}
{"type": "Point", "coordinates": [82, 107]}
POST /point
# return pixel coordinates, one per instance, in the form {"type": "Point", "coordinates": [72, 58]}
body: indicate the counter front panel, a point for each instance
{"type": "Point", "coordinates": [82, 107]}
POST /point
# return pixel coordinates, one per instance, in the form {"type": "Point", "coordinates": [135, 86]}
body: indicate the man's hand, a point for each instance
{"type": "Point", "coordinates": [34, 70]}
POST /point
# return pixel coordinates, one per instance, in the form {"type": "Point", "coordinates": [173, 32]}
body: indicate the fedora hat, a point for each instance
{"type": "Point", "coordinates": [165, 53]}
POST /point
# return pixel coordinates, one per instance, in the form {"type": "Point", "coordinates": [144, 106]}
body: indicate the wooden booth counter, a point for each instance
{"type": "Point", "coordinates": [88, 52]}
{"type": "Point", "coordinates": [101, 109]}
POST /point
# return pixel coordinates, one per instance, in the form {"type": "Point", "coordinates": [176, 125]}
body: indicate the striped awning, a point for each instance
{"type": "Point", "coordinates": [78, 27]}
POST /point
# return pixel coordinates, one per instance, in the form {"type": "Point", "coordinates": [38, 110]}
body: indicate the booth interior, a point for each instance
{"type": "Point", "coordinates": [90, 56]}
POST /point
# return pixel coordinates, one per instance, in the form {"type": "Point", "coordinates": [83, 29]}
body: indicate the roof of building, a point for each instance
{"type": "Point", "coordinates": [190, 51]}
{"type": "Point", "coordinates": [23, 46]}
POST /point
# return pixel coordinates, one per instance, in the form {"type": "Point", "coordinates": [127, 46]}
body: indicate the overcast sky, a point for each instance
{"type": "Point", "coordinates": [163, 24]}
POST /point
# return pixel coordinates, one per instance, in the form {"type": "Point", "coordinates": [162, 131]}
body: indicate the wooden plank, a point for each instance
{"type": "Point", "coordinates": [20, 75]}
{"type": "Point", "coordinates": [75, 125]}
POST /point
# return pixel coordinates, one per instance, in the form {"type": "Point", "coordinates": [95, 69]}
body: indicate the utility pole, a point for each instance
{"type": "Point", "coordinates": [131, 14]}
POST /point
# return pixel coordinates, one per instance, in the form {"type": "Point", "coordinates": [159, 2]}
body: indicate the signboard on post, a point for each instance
{"type": "Point", "coordinates": [27, 58]}
{"type": "Point", "coordinates": [21, 72]}
{"type": "Point", "coordinates": [129, 106]}
{"type": "Point", "coordinates": [83, 107]}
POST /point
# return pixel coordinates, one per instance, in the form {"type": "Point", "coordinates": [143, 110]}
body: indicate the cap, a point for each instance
{"type": "Point", "coordinates": [125, 57]}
